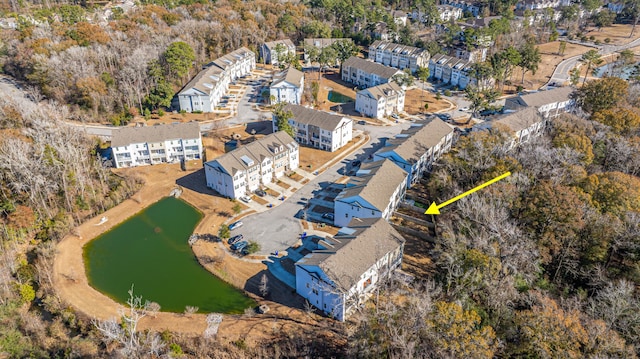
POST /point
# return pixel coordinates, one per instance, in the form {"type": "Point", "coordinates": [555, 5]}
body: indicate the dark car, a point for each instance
{"type": "Point", "coordinates": [239, 246]}
{"type": "Point", "coordinates": [328, 216]}
{"type": "Point", "coordinates": [235, 239]}
{"type": "Point", "coordinates": [356, 163]}
{"type": "Point", "coordinates": [261, 193]}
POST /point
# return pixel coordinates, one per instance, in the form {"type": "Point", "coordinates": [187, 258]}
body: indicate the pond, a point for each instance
{"type": "Point", "coordinates": [337, 97]}
{"type": "Point", "coordinates": [624, 73]}
{"type": "Point", "coordinates": [150, 251]}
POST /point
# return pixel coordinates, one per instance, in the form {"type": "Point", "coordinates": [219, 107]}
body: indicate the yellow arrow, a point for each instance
{"type": "Point", "coordinates": [435, 208]}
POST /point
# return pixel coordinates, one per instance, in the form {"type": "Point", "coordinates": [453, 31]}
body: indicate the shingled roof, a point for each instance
{"type": "Point", "coordinates": [380, 45]}
{"type": "Point", "coordinates": [375, 183]}
{"type": "Point", "coordinates": [308, 116]}
{"type": "Point", "coordinates": [271, 45]}
{"type": "Point", "coordinates": [415, 141]}
{"type": "Point", "coordinates": [290, 75]}
{"type": "Point", "coordinates": [384, 90]}
{"type": "Point", "coordinates": [127, 135]}
{"type": "Point", "coordinates": [348, 256]}
{"type": "Point", "coordinates": [542, 98]}
{"type": "Point", "coordinates": [520, 120]}
{"type": "Point", "coordinates": [206, 79]}
{"type": "Point", "coordinates": [256, 151]}
{"type": "Point", "coordinates": [370, 67]}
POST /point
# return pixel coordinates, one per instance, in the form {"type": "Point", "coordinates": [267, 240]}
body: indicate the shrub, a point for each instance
{"type": "Point", "coordinates": [224, 232]}
{"type": "Point", "coordinates": [160, 112]}
{"type": "Point", "coordinates": [253, 247]}
{"type": "Point", "coordinates": [447, 93]}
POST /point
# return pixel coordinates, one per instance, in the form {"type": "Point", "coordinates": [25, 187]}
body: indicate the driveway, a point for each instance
{"type": "Point", "coordinates": [279, 228]}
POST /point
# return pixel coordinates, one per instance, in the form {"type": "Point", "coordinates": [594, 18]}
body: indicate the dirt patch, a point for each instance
{"type": "Point", "coordinates": [296, 177]}
{"type": "Point", "coordinates": [313, 158]}
{"type": "Point", "coordinates": [272, 192]}
{"type": "Point", "coordinates": [417, 258]}
{"type": "Point", "coordinates": [415, 99]}
{"type": "Point", "coordinates": [283, 184]}
{"type": "Point", "coordinates": [259, 200]}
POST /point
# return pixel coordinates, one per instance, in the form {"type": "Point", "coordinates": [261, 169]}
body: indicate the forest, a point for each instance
{"type": "Point", "coordinates": [544, 264]}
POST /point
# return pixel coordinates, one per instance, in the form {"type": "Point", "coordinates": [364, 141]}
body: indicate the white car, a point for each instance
{"type": "Point", "coordinates": [232, 96]}
{"type": "Point", "coordinates": [464, 109]}
{"type": "Point", "coordinates": [245, 199]}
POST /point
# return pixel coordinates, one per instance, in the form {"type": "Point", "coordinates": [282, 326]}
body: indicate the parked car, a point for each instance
{"type": "Point", "coordinates": [464, 109]}
{"type": "Point", "coordinates": [239, 245]}
{"type": "Point", "coordinates": [235, 225]}
{"type": "Point", "coordinates": [245, 199]}
{"type": "Point", "coordinates": [235, 239]}
{"type": "Point", "coordinates": [356, 163]}
{"type": "Point", "coordinates": [361, 122]}
{"type": "Point", "coordinates": [395, 115]}
{"type": "Point", "coordinates": [232, 96]}
{"type": "Point", "coordinates": [261, 193]}
{"type": "Point", "coordinates": [328, 216]}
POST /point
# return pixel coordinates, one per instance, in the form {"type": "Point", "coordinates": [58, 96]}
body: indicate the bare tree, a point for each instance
{"type": "Point", "coordinates": [264, 285]}
{"type": "Point", "coordinates": [125, 331]}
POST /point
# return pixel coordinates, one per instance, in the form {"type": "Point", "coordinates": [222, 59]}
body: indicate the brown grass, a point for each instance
{"type": "Point", "coordinates": [415, 99]}
{"type": "Point", "coordinates": [315, 157]}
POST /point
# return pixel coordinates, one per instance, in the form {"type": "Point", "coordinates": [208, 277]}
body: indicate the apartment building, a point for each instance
{"type": "Point", "coordinates": [416, 148]}
{"type": "Point", "coordinates": [269, 51]}
{"type": "Point", "coordinates": [364, 73]}
{"type": "Point", "coordinates": [550, 103]}
{"type": "Point", "coordinates": [374, 192]}
{"type": "Point", "coordinates": [250, 166]}
{"type": "Point", "coordinates": [447, 69]}
{"type": "Point", "coordinates": [287, 86]}
{"type": "Point", "coordinates": [150, 145]}
{"type": "Point", "coordinates": [380, 101]}
{"type": "Point", "coordinates": [204, 91]}
{"type": "Point", "coordinates": [344, 271]}
{"type": "Point", "coordinates": [319, 129]}
{"type": "Point", "coordinates": [398, 56]}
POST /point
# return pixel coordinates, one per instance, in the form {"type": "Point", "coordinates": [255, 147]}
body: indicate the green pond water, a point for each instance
{"type": "Point", "coordinates": [337, 97]}
{"type": "Point", "coordinates": [150, 250]}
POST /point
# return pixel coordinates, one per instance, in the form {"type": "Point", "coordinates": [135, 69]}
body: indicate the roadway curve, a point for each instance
{"type": "Point", "coordinates": [561, 73]}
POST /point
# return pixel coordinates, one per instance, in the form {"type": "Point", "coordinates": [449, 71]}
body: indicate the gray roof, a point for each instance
{"type": "Point", "coordinates": [380, 45]}
{"type": "Point", "coordinates": [153, 134]}
{"type": "Point", "coordinates": [321, 119]}
{"type": "Point", "coordinates": [321, 43]}
{"type": "Point", "coordinates": [370, 67]}
{"type": "Point", "coordinates": [348, 256]}
{"type": "Point", "coordinates": [290, 75]}
{"type": "Point", "coordinates": [272, 44]}
{"type": "Point", "coordinates": [256, 151]}
{"type": "Point", "coordinates": [520, 120]}
{"type": "Point", "coordinates": [206, 79]}
{"type": "Point", "coordinates": [416, 140]}
{"type": "Point", "coordinates": [542, 98]}
{"type": "Point", "coordinates": [375, 183]}
{"type": "Point", "coordinates": [384, 90]}
{"type": "Point", "coordinates": [451, 62]}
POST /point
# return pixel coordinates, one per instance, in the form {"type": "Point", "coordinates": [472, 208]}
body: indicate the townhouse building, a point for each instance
{"type": "Point", "coordinates": [475, 8]}
{"type": "Point", "coordinates": [541, 4]}
{"type": "Point", "coordinates": [150, 145]}
{"type": "Point", "coordinates": [447, 69]}
{"type": "Point", "coordinates": [373, 193]}
{"type": "Point", "coordinates": [550, 103]}
{"type": "Point", "coordinates": [364, 73]}
{"type": "Point", "coordinates": [524, 125]}
{"type": "Point", "coordinates": [418, 147]}
{"type": "Point", "coordinates": [477, 54]}
{"type": "Point", "coordinates": [380, 101]}
{"type": "Point", "coordinates": [398, 56]}
{"type": "Point", "coordinates": [287, 86]}
{"type": "Point", "coordinates": [247, 168]}
{"type": "Point", "coordinates": [449, 13]}
{"type": "Point", "coordinates": [204, 91]}
{"type": "Point", "coordinates": [269, 51]}
{"type": "Point", "coordinates": [344, 271]}
{"type": "Point", "coordinates": [318, 129]}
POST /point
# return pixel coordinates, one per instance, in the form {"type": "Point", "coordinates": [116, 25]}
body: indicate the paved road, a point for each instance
{"type": "Point", "coordinates": [561, 73]}
{"type": "Point", "coordinates": [277, 228]}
